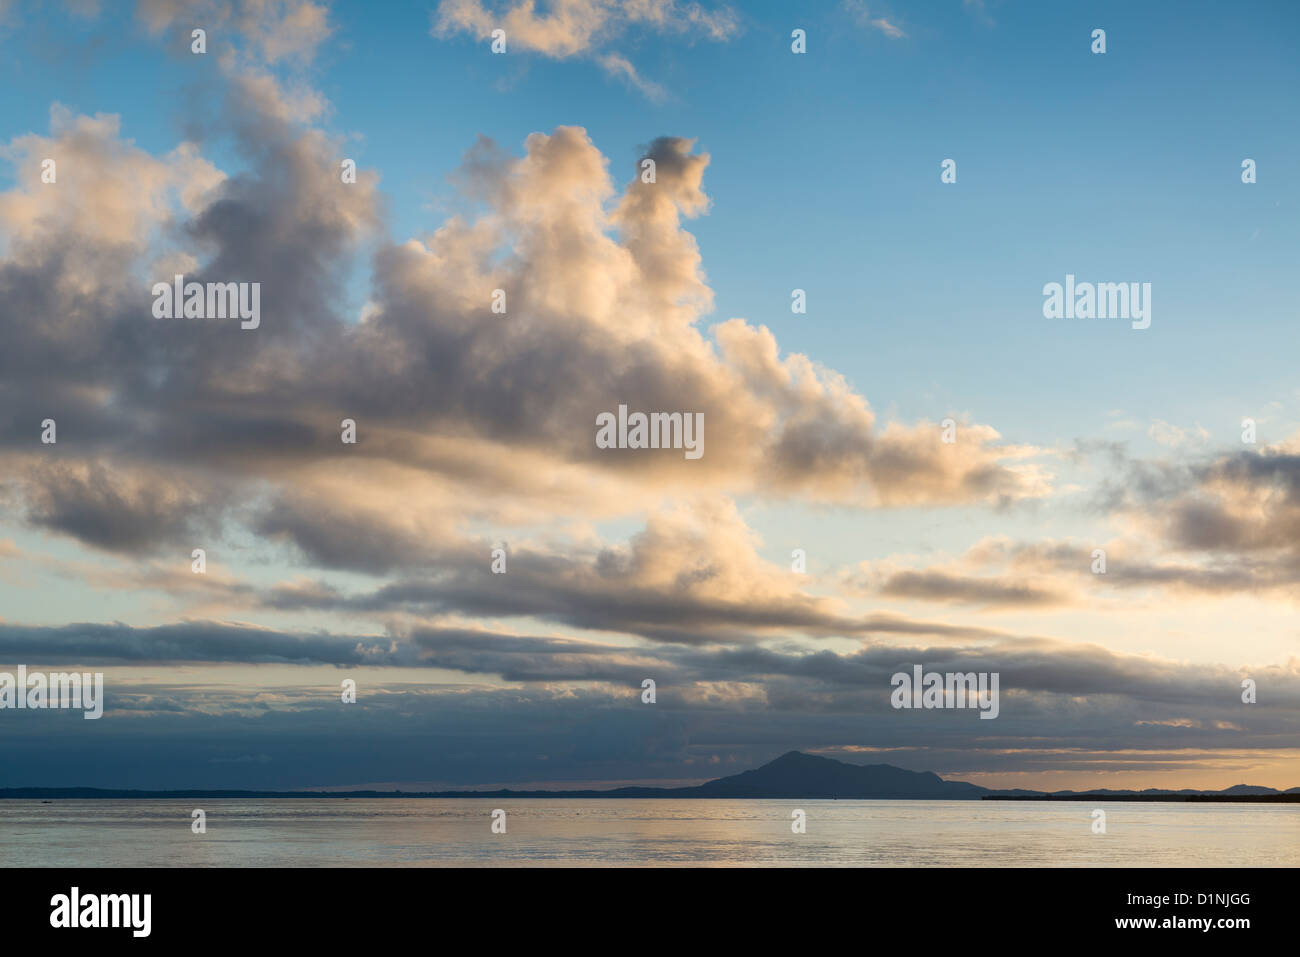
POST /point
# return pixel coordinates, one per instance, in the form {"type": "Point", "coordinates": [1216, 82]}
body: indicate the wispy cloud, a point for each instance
{"type": "Point", "coordinates": [585, 28]}
{"type": "Point", "coordinates": [861, 15]}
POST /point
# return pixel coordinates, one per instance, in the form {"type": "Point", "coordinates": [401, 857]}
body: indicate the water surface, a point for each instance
{"type": "Point", "coordinates": [331, 832]}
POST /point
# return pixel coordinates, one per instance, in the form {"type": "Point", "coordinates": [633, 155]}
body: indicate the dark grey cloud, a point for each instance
{"type": "Point", "coordinates": [115, 511]}
{"type": "Point", "coordinates": [1028, 666]}
{"type": "Point", "coordinates": [197, 641]}
{"type": "Point", "coordinates": [184, 736]}
{"type": "Point", "coordinates": [945, 587]}
{"type": "Point", "coordinates": [567, 592]}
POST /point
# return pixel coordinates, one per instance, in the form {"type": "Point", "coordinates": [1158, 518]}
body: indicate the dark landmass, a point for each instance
{"type": "Point", "coordinates": [794, 775]}
{"type": "Point", "coordinates": [1280, 797]}
{"type": "Point", "coordinates": [1237, 794]}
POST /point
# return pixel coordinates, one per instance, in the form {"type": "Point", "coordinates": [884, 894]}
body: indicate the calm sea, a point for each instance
{"type": "Point", "coordinates": [430, 833]}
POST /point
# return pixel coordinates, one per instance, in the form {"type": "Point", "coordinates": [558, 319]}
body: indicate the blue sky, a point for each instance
{"type": "Point", "coordinates": [1105, 162]}
{"type": "Point", "coordinates": [1110, 166]}
{"type": "Point", "coordinates": [823, 175]}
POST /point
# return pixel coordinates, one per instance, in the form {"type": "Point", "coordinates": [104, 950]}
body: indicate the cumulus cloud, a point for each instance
{"type": "Point", "coordinates": [605, 310]}
{"type": "Point", "coordinates": [692, 576]}
{"type": "Point", "coordinates": [607, 294]}
{"type": "Point", "coordinates": [477, 428]}
{"type": "Point", "coordinates": [1216, 525]}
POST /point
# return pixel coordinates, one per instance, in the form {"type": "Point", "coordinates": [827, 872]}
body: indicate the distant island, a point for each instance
{"type": "Point", "coordinates": [794, 775]}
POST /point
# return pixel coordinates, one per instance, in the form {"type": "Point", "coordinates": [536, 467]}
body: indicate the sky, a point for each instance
{"type": "Point", "coordinates": [830, 535]}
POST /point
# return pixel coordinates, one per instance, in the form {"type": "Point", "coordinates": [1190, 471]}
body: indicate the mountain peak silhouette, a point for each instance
{"type": "Point", "coordinates": [799, 775]}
